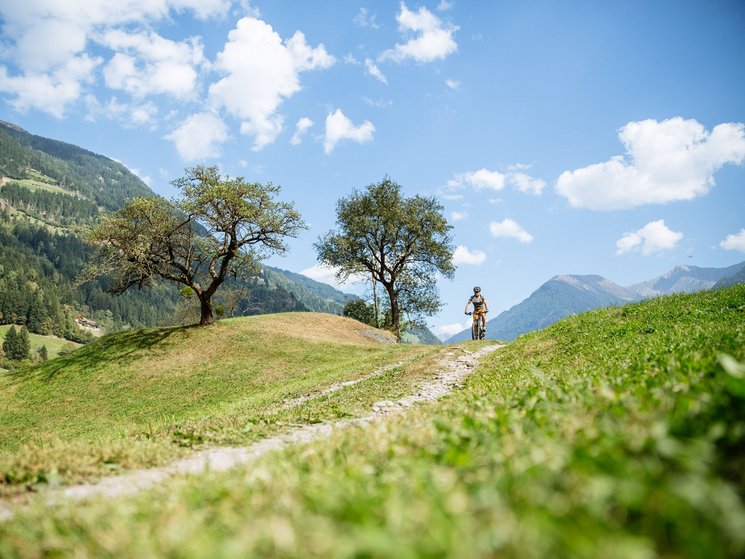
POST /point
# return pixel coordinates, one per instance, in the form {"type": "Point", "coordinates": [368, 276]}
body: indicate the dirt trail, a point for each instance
{"type": "Point", "coordinates": [457, 364]}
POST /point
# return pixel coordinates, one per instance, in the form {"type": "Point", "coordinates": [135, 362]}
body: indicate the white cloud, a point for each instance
{"type": "Point", "coordinates": [446, 331]}
{"type": "Point", "coordinates": [464, 255]}
{"type": "Point", "coordinates": [129, 114]}
{"type": "Point", "coordinates": [653, 237]}
{"type": "Point", "coordinates": [433, 40]}
{"type": "Point", "coordinates": [734, 242]}
{"type": "Point", "coordinates": [525, 183]}
{"type": "Point", "coordinates": [199, 137]}
{"type": "Point", "coordinates": [378, 104]}
{"type": "Point", "coordinates": [484, 179]}
{"type": "Point", "coordinates": [300, 129]}
{"type": "Point", "coordinates": [374, 71]}
{"type": "Point", "coordinates": [452, 84]}
{"type": "Point", "coordinates": [458, 216]}
{"type": "Point", "coordinates": [364, 19]}
{"type": "Point", "coordinates": [146, 64]}
{"type": "Point", "coordinates": [339, 127]}
{"type": "Point", "coordinates": [665, 161]}
{"type": "Point", "coordinates": [52, 74]}
{"type": "Point", "coordinates": [511, 229]}
{"type": "Point", "coordinates": [479, 180]}
{"type": "Point", "coordinates": [327, 274]}
{"type": "Point", "coordinates": [260, 72]}
{"type": "Point", "coordinates": [51, 91]}
{"type": "Point", "coordinates": [444, 5]}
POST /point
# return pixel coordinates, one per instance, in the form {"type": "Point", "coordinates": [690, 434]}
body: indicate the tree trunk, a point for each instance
{"type": "Point", "coordinates": [207, 316]}
{"type": "Point", "coordinates": [395, 311]}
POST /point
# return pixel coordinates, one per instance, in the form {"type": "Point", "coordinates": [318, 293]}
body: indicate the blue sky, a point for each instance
{"type": "Point", "coordinates": [568, 137]}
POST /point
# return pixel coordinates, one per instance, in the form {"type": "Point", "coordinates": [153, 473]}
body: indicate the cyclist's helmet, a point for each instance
{"type": "Point", "coordinates": [476, 289]}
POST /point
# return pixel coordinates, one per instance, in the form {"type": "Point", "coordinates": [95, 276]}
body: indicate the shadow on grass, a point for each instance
{"type": "Point", "coordinates": [109, 350]}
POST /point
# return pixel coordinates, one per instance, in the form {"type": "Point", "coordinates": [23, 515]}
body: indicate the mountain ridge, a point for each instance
{"type": "Point", "coordinates": [567, 294]}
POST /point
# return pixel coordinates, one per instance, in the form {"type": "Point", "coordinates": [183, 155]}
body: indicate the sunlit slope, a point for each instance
{"type": "Point", "coordinates": [160, 378]}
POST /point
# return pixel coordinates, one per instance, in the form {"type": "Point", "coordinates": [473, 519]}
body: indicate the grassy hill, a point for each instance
{"type": "Point", "coordinates": [142, 397]}
{"type": "Point", "coordinates": [616, 433]}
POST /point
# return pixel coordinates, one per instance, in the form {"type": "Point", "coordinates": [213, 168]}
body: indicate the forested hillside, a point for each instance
{"type": "Point", "coordinates": [50, 194]}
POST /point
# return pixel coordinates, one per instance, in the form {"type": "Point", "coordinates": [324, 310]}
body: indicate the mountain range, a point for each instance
{"type": "Point", "coordinates": [564, 295]}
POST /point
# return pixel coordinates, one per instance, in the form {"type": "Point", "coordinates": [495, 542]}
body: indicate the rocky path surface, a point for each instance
{"type": "Point", "coordinates": [456, 365]}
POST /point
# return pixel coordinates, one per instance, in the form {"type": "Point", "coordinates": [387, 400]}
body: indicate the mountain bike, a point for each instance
{"type": "Point", "coordinates": [477, 327]}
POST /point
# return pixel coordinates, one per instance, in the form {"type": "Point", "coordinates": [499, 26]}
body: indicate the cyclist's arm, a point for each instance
{"type": "Point", "coordinates": [486, 305]}
{"type": "Point", "coordinates": [467, 303]}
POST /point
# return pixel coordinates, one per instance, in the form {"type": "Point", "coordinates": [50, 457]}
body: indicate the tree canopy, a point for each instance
{"type": "Point", "coordinates": [219, 227]}
{"type": "Point", "coordinates": [401, 243]}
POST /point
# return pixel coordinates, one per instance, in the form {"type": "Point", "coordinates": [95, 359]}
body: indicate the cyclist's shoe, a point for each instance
{"type": "Point", "coordinates": [483, 334]}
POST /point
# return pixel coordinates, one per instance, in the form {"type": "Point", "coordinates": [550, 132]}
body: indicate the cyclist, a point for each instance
{"type": "Point", "coordinates": [480, 308]}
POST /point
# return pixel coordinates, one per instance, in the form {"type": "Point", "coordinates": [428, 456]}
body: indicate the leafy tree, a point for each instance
{"type": "Point", "coordinates": [43, 353]}
{"type": "Point", "coordinates": [17, 344]}
{"type": "Point", "coordinates": [361, 311]}
{"type": "Point", "coordinates": [151, 238]}
{"type": "Point", "coordinates": [10, 343]}
{"type": "Point", "coordinates": [402, 243]}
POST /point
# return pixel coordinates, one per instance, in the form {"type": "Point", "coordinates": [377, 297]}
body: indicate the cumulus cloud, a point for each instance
{"type": "Point", "coordinates": [653, 237]}
{"type": "Point", "coordinates": [199, 137]}
{"type": "Point", "coordinates": [260, 72]}
{"type": "Point", "coordinates": [734, 242]}
{"type": "Point", "coordinates": [452, 84]}
{"type": "Point", "coordinates": [374, 71]}
{"type": "Point", "coordinates": [484, 179]}
{"type": "Point", "coordinates": [458, 216]}
{"type": "Point", "coordinates": [509, 228]}
{"type": "Point", "coordinates": [666, 161]}
{"type": "Point", "coordinates": [300, 129]}
{"type": "Point", "coordinates": [50, 75]}
{"type": "Point", "coordinates": [51, 91]}
{"type": "Point", "coordinates": [479, 180]}
{"type": "Point", "coordinates": [432, 39]}
{"type": "Point", "coordinates": [525, 183]}
{"type": "Point", "coordinates": [464, 255]}
{"type": "Point", "coordinates": [339, 127]}
{"type": "Point", "coordinates": [146, 63]}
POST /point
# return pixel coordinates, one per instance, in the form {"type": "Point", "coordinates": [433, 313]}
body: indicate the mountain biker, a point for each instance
{"type": "Point", "coordinates": [480, 308]}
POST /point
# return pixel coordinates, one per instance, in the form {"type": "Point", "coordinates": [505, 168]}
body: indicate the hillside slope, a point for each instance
{"type": "Point", "coordinates": [616, 433]}
{"type": "Point", "coordinates": [139, 397]}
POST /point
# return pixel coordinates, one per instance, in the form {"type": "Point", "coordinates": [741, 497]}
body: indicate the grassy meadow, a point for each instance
{"type": "Point", "coordinates": [55, 345]}
{"type": "Point", "coordinates": [141, 398]}
{"type": "Point", "coordinates": [619, 433]}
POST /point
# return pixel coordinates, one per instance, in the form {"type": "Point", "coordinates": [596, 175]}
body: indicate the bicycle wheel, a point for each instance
{"type": "Point", "coordinates": [476, 329]}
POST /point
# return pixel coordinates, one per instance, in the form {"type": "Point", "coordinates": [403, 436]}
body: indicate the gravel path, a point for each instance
{"type": "Point", "coordinates": [457, 364]}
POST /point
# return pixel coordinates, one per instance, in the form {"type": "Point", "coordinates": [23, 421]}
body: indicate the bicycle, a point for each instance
{"type": "Point", "coordinates": [477, 328]}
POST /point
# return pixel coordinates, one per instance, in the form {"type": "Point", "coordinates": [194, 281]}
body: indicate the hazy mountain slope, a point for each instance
{"type": "Point", "coordinates": [559, 297]}
{"type": "Point", "coordinates": [316, 296]}
{"type": "Point", "coordinates": [685, 279]}
{"type": "Point", "coordinates": [738, 277]}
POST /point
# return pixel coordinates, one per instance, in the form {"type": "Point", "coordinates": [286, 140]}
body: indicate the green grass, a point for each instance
{"type": "Point", "coordinates": [54, 344]}
{"type": "Point", "coordinates": [617, 433]}
{"type": "Point", "coordinates": [33, 184]}
{"type": "Point", "coordinates": [140, 398]}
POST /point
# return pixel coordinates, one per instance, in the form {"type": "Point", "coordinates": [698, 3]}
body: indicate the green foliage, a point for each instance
{"type": "Point", "coordinates": [151, 238]}
{"type": "Point", "coordinates": [16, 345]}
{"type": "Point", "coordinates": [360, 310]}
{"type": "Point", "coordinates": [401, 242]}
